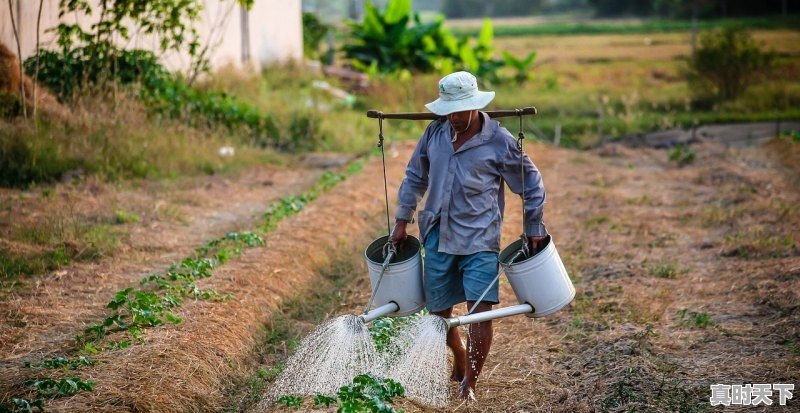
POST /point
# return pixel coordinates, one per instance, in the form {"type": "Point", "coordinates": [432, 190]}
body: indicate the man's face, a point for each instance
{"type": "Point", "coordinates": [460, 120]}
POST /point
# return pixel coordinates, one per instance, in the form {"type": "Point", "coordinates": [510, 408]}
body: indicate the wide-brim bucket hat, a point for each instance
{"type": "Point", "coordinates": [459, 92]}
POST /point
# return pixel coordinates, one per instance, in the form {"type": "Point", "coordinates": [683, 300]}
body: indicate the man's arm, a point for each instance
{"type": "Point", "coordinates": [534, 191]}
{"type": "Point", "coordinates": [412, 189]}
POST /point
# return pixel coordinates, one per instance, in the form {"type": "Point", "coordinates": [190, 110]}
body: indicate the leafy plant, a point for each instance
{"type": "Point", "coordinates": [291, 401]}
{"type": "Point", "coordinates": [665, 269]}
{"type": "Point", "coordinates": [384, 42]}
{"type": "Point", "coordinates": [521, 66]}
{"type": "Point", "coordinates": [682, 155]}
{"type": "Point", "coordinates": [19, 404]}
{"type": "Point", "coordinates": [368, 393]}
{"type": "Point", "coordinates": [382, 331]}
{"type": "Point", "coordinates": [694, 319]}
{"type": "Point", "coordinates": [794, 135]}
{"type": "Point", "coordinates": [170, 22]}
{"type": "Point", "coordinates": [123, 217]}
{"type": "Point", "coordinates": [321, 400]}
{"type": "Point", "coordinates": [624, 391]}
{"type": "Point", "coordinates": [53, 388]}
{"type": "Point", "coordinates": [727, 62]}
{"type": "Point", "coordinates": [314, 30]}
{"type": "Point", "coordinates": [60, 362]}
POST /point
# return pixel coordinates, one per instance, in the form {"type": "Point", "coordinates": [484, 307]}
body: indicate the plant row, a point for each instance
{"type": "Point", "coordinates": [365, 393]}
{"type": "Point", "coordinates": [154, 301]}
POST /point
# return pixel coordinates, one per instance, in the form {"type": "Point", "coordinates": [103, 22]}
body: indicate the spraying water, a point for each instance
{"type": "Point", "coordinates": [418, 360]}
{"type": "Point", "coordinates": [328, 358]}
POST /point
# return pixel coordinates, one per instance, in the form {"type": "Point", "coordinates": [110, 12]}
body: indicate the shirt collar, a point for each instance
{"type": "Point", "coordinates": [487, 131]}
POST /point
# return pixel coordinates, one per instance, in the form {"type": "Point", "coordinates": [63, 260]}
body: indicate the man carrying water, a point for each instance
{"type": "Point", "coordinates": [462, 161]}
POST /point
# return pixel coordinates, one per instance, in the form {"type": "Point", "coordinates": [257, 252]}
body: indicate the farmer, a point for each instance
{"type": "Point", "coordinates": [462, 160]}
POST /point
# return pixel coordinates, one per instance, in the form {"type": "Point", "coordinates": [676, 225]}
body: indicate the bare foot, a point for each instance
{"type": "Point", "coordinates": [457, 375]}
{"type": "Point", "coordinates": [466, 391]}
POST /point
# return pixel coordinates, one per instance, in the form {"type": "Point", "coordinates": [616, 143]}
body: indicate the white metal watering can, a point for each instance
{"type": "Point", "coordinates": [396, 278]}
{"type": "Point", "coordinates": [540, 282]}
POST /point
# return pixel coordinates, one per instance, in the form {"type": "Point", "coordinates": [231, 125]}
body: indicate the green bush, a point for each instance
{"type": "Point", "coordinates": [726, 63]}
{"type": "Point", "coordinates": [66, 72]}
{"type": "Point", "coordinates": [168, 95]}
{"type": "Point", "coordinates": [21, 164]}
{"type": "Point", "coordinates": [682, 155]}
{"type": "Point", "coordinates": [314, 30]}
{"type": "Point", "coordinates": [10, 105]}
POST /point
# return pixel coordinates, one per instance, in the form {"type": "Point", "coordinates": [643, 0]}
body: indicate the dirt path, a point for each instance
{"type": "Point", "coordinates": [686, 277]}
{"type": "Point", "coordinates": [175, 217]}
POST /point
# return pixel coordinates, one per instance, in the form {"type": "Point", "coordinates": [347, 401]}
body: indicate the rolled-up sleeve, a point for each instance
{"type": "Point", "coordinates": [534, 197]}
{"type": "Point", "coordinates": [416, 181]}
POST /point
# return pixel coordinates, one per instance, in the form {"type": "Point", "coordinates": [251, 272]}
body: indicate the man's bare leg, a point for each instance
{"type": "Point", "coordinates": [478, 345]}
{"type": "Point", "coordinates": [455, 344]}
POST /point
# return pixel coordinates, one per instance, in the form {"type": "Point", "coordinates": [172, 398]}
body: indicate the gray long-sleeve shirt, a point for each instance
{"type": "Point", "coordinates": [465, 187]}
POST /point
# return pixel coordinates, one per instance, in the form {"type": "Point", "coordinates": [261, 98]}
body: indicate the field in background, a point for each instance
{"type": "Point", "coordinates": [571, 24]}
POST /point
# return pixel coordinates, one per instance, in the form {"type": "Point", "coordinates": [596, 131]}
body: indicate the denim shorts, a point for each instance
{"type": "Point", "coordinates": [453, 279]}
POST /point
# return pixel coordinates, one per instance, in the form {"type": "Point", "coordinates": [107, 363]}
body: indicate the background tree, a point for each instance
{"type": "Point", "coordinates": [19, 59]}
{"type": "Point", "coordinates": [727, 62]}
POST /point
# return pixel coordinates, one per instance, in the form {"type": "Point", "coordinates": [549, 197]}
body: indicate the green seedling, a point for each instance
{"type": "Point", "coordinates": [523, 67]}
{"type": "Point", "coordinates": [290, 401]}
{"type": "Point", "coordinates": [665, 269]}
{"type": "Point", "coordinates": [693, 319]}
{"type": "Point", "coordinates": [123, 217]}
{"type": "Point", "coordinates": [682, 155]}
{"type": "Point", "coordinates": [321, 400]}
{"type": "Point", "coordinates": [60, 362]}
{"type": "Point", "coordinates": [52, 388]}
{"type": "Point", "coordinates": [367, 393]}
{"type": "Point", "coordinates": [382, 331]}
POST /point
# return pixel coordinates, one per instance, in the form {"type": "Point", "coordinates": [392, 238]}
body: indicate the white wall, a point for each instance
{"type": "Point", "coordinates": [276, 31]}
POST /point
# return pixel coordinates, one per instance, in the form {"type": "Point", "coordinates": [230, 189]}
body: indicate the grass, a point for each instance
{"type": "Point", "coordinates": [786, 149]}
{"type": "Point", "coordinates": [98, 140]}
{"type": "Point", "coordinates": [665, 269]}
{"type": "Point", "coordinates": [694, 319]}
{"type": "Point", "coordinates": [633, 27]}
{"type": "Point", "coordinates": [759, 243]}
{"type": "Point", "coordinates": [54, 242]}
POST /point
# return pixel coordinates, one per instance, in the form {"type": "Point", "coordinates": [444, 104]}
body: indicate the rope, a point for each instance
{"type": "Point", "coordinates": [521, 135]}
{"type": "Point", "coordinates": [385, 185]}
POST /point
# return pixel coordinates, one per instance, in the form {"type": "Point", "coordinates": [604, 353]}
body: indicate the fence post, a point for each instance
{"type": "Point", "coordinates": [600, 139]}
{"type": "Point", "coordinates": [557, 137]}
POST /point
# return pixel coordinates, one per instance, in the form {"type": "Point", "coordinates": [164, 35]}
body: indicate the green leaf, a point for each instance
{"type": "Point", "coordinates": [321, 400]}
{"type": "Point", "coordinates": [397, 10]}
{"type": "Point", "coordinates": [290, 401]}
{"type": "Point", "coordinates": [486, 35]}
{"type": "Point", "coordinates": [372, 26]}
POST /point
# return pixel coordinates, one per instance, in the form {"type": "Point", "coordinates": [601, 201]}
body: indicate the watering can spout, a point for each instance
{"type": "Point", "coordinates": [381, 311]}
{"type": "Point", "coordinates": [489, 315]}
